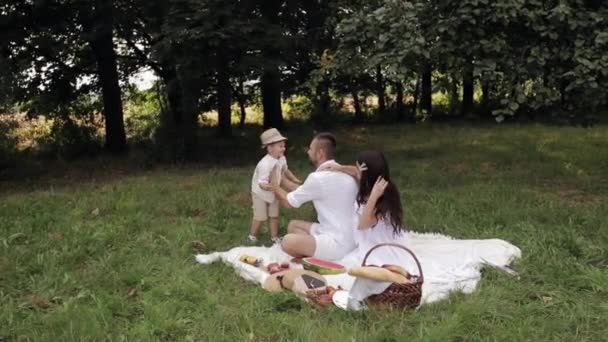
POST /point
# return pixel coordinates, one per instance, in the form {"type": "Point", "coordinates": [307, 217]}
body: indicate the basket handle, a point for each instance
{"type": "Point", "coordinates": [398, 246]}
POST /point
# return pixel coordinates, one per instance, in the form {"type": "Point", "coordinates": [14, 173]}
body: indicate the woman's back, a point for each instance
{"type": "Point", "coordinates": [380, 233]}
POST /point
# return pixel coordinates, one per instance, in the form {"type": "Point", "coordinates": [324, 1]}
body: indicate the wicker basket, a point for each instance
{"type": "Point", "coordinates": [400, 296]}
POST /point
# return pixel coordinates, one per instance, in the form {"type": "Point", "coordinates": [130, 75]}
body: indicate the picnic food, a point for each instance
{"type": "Point", "coordinates": [297, 280]}
{"type": "Point", "coordinates": [322, 266]}
{"type": "Point", "coordinates": [325, 299]}
{"type": "Point", "coordinates": [251, 260]}
{"type": "Point", "coordinates": [273, 268]}
{"type": "Point", "coordinates": [377, 273]}
{"type": "Point", "coordinates": [323, 295]}
{"type": "Point", "coordinates": [398, 269]}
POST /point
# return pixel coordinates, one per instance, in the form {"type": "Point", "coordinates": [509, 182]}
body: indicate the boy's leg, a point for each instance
{"type": "Point", "coordinates": [274, 228]}
{"type": "Point", "coordinates": [255, 229]}
{"type": "Point", "coordinates": [273, 213]}
{"type": "Point", "coordinates": [260, 215]}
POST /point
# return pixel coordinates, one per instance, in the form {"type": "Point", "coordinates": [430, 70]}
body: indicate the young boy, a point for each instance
{"type": "Point", "coordinates": [265, 205]}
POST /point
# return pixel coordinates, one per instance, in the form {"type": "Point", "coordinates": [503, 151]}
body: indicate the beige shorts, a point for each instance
{"type": "Point", "coordinates": [262, 210]}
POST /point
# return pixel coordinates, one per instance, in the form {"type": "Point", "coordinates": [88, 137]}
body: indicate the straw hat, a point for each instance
{"type": "Point", "coordinates": [271, 136]}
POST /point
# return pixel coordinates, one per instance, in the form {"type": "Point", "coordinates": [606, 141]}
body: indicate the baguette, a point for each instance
{"type": "Point", "coordinates": [398, 269]}
{"type": "Point", "coordinates": [378, 274]}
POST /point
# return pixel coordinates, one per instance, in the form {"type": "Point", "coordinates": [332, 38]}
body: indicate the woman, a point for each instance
{"type": "Point", "coordinates": [379, 220]}
{"type": "Point", "coordinates": [378, 209]}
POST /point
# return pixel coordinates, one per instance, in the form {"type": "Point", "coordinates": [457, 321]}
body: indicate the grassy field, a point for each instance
{"type": "Point", "coordinates": [101, 251]}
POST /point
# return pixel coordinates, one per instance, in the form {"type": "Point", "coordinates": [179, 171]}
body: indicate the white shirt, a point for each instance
{"type": "Point", "coordinates": [261, 175]}
{"type": "Point", "coordinates": [333, 195]}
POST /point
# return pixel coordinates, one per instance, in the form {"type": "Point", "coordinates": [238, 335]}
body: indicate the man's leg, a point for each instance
{"type": "Point", "coordinates": [299, 245]}
{"type": "Point", "coordinates": [298, 242]}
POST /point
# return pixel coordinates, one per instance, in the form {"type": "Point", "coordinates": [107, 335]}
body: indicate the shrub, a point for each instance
{"type": "Point", "coordinates": [8, 143]}
{"type": "Point", "coordinates": [142, 116]}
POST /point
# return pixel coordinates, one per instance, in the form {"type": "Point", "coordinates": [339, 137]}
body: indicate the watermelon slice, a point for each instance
{"type": "Point", "coordinates": [322, 266]}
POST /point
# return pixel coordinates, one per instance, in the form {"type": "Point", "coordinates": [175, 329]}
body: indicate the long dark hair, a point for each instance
{"type": "Point", "coordinates": [388, 206]}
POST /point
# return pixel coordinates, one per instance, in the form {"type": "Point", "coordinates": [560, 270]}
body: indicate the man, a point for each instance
{"type": "Point", "coordinates": [333, 195]}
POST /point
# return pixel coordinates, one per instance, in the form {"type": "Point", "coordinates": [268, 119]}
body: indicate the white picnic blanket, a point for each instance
{"type": "Point", "coordinates": [448, 264]}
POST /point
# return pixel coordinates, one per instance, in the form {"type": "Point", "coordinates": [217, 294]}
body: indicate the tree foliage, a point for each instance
{"type": "Point", "coordinates": [528, 57]}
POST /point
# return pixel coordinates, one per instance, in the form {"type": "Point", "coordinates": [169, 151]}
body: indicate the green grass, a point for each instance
{"type": "Point", "coordinates": [65, 273]}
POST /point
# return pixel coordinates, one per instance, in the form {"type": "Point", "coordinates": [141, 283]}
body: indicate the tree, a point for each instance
{"type": "Point", "coordinates": [382, 38]}
{"type": "Point", "coordinates": [100, 36]}
{"type": "Point", "coordinates": [64, 42]}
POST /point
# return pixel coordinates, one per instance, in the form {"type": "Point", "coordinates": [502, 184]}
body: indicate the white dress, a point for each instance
{"type": "Point", "coordinates": [365, 239]}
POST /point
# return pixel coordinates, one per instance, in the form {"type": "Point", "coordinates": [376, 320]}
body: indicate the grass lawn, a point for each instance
{"type": "Point", "coordinates": [105, 255]}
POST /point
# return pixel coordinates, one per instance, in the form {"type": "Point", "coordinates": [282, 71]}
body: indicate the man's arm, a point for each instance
{"type": "Point", "coordinates": [310, 190]}
{"type": "Point", "coordinates": [350, 170]}
{"type": "Point", "coordinates": [275, 187]}
{"type": "Point", "coordinates": [290, 176]}
{"type": "Point", "coordinates": [281, 195]}
{"type": "Point", "coordinates": [289, 185]}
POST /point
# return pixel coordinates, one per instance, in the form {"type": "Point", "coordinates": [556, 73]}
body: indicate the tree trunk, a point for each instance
{"type": "Point", "coordinates": [380, 90]}
{"type": "Point", "coordinates": [271, 98]}
{"type": "Point", "coordinates": [179, 123]}
{"type": "Point", "coordinates": [103, 48]}
{"type": "Point", "coordinates": [468, 88]}
{"type": "Point", "coordinates": [171, 120]}
{"type": "Point", "coordinates": [399, 104]}
{"type": "Point", "coordinates": [271, 77]}
{"type": "Point", "coordinates": [321, 104]}
{"type": "Point", "coordinates": [485, 97]}
{"type": "Point", "coordinates": [357, 104]}
{"type": "Point", "coordinates": [426, 100]}
{"type": "Point", "coordinates": [416, 96]}
{"type": "Point", "coordinates": [190, 94]}
{"type": "Point", "coordinates": [241, 99]}
{"type": "Point", "coordinates": [174, 94]}
{"type": "Point", "coordinates": [454, 98]}
{"type": "Point", "coordinates": [223, 98]}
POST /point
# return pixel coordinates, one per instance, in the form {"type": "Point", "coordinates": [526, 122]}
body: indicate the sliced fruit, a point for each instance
{"type": "Point", "coordinates": [322, 266]}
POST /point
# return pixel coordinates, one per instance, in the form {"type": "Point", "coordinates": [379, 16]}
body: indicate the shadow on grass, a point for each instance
{"type": "Point", "coordinates": [450, 154]}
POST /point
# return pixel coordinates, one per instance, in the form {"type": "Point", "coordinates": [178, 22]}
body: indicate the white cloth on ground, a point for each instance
{"type": "Point", "coordinates": [448, 264]}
